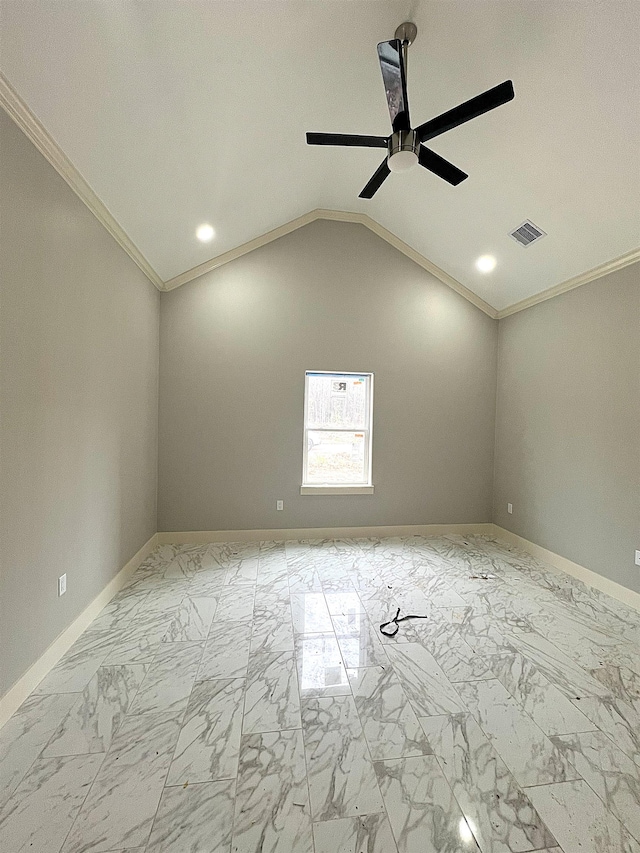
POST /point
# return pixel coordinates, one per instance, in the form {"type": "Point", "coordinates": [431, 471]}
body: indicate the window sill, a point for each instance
{"type": "Point", "coordinates": [334, 489]}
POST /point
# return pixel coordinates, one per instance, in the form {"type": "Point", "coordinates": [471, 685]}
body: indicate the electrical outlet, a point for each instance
{"type": "Point", "coordinates": [62, 584]}
{"type": "Point", "coordinates": [637, 558]}
{"type": "Point", "coordinates": [279, 504]}
{"type": "Point", "coordinates": [510, 509]}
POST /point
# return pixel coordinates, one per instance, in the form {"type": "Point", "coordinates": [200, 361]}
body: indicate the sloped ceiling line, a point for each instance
{"type": "Point", "coordinates": [20, 113]}
{"type": "Point", "coordinates": [16, 109]}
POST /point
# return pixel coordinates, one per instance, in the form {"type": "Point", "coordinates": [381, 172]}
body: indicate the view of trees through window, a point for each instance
{"type": "Point", "coordinates": [336, 428]}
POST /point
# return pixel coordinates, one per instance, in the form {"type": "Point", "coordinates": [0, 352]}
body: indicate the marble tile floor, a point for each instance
{"type": "Point", "coordinates": [239, 698]}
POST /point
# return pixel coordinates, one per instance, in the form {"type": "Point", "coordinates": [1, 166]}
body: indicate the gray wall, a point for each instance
{"type": "Point", "coordinates": [568, 425]}
{"type": "Point", "coordinates": [234, 345]}
{"type": "Point", "coordinates": [78, 392]}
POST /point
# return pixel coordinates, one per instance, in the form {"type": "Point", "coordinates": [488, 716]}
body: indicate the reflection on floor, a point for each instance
{"type": "Point", "coordinates": [240, 697]}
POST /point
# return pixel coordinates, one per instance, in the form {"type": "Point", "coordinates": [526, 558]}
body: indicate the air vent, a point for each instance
{"type": "Point", "coordinates": [527, 233]}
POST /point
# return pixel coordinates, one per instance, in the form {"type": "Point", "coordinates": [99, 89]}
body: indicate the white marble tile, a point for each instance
{"type": "Point", "coordinates": [272, 800]}
{"type": "Point", "coordinates": [582, 639]}
{"type": "Point", "coordinates": [367, 834]}
{"type": "Point", "coordinates": [207, 583]}
{"type": "Point", "coordinates": [75, 669]}
{"type": "Point", "coordinates": [535, 694]}
{"type": "Point", "coordinates": [169, 679]}
{"type": "Point", "coordinates": [191, 620]}
{"type": "Point", "coordinates": [272, 554]}
{"type": "Point", "coordinates": [160, 555]}
{"type": "Point", "coordinates": [341, 778]}
{"type": "Point", "coordinates": [26, 734]}
{"type": "Point", "coordinates": [234, 605]}
{"type": "Point", "coordinates": [423, 813]}
{"type": "Point", "coordinates": [613, 776]}
{"type": "Point", "coordinates": [122, 802]}
{"type": "Point", "coordinates": [478, 631]}
{"type": "Point", "coordinates": [272, 702]}
{"type": "Point", "coordinates": [339, 582]}
{"type": "Point", "coordinates": [579, 820]}
{"type": "Point", "coordinates": [320, 668]}
{"type": "Point", "coordinates": [272, 626]}
{"type": "Point", "coordinates": [188, 560]}
{"type": "Point", "coordinates": [343, 603]}
{"type": "Point", "coordinates": [139, 642]}
{"type": "Point", "coordinates": [97, 713]}
{"type": "Point", "coordinates": [620, 682]}
{"type": "Point", "coordinates": [369, 586]}
{"type": "Point", "coordinates": [209, 742]}
{"type": "Point", "coordinates": [566, 659]}
{"type": "Point", "coordinates": [310, 614]}
{"type": "Point", "coordinates": [304, 579]}
{"type": "Point", "coordinates": [127, 850]}
{"type": "Point", "coordinates": [272, 581]}
{"type": "Point", "coordinates": [229, 554]}
{"type": "Point", "coordinates": [438, 592]}
{"type": "Point", "coordinates": [194, 819]}
{"type": "Point", "coordinates": [226, 652]}
{"type": "Point", "coordinates": [39, 815]}
{"type": "Point", "coordinates": [458, 660]}
{"type": "Point", "coordinates": [382, 607]}
{"type": "Point", "coordinates": [617, 719]}
{"type": "Point", "coordinates": [244, 572]}
{"type": "Point", "coordinates": [163, 589]}
{"type": "Point", "coordinates": [120, 611]}
{"type": "Point", "coordinates": [358, 641]}
{"type": "Point", "coordinates": [389, 723]}
{"type": "Point", "coordinates": [561, 669]}
{"type": "Point", "coordinates": [424, 682]}
{"type": "Point", "coordinates": [525, 749]}
{"type": "Point", "coordinates": [495, 807]}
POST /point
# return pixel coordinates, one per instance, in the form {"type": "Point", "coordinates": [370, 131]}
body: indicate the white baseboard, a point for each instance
{"type": "Point", "coordinates": [202, 537]}
{"type": "Point", "coordinates": [556, 561]}
{"type": "Point", "coordinates": [12, 700]}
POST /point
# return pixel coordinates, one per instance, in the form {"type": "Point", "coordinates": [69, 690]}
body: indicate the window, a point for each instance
{"type": "Point", "coordinates": [337, 433]}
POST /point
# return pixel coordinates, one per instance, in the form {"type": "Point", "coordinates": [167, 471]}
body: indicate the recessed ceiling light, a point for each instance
{"type": "Point", "coordinates": [204, 233]}
{"type": "Point", "coordinates": [486, 263]}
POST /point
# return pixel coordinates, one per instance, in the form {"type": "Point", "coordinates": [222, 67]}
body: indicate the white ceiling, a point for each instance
{"type": "Point", "coordinates": [180, 112]}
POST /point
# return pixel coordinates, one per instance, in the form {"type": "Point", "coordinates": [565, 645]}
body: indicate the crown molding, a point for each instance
{"type": "Point", "coordinates": [333, 216]}
{"type": "Point", "coordinates": [239, 251]}
{"type": "Point", "coordinates": [427, 265]}
{"type": "Point", "coordinates": [16, 108]}
{"type": "Point", "coordinates": [619, 263]}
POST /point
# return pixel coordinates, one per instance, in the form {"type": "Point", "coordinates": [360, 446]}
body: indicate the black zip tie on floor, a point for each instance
{"type": "Point", "coordinates": [396, 619]}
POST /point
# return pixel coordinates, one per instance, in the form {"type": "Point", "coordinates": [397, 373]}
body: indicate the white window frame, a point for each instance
{"type": "Point", "coordinates": [365, 488]}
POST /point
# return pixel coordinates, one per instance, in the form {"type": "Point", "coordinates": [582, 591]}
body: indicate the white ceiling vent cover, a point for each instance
{"type": "Point", "coordinates": [527, 233]}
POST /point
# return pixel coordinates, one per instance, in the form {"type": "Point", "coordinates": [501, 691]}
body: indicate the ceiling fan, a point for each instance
{"type": "Point", "coordinates": [405, 146]}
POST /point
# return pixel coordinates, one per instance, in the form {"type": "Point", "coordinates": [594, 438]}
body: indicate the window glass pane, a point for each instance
{"type": "Point", "coordinates": [337, 401]}
{"type": "Point", "coordinates": [336, 457]}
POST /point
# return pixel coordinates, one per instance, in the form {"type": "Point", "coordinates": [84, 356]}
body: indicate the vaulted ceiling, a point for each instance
{"type": "Point", "coordinates": [178, 112]}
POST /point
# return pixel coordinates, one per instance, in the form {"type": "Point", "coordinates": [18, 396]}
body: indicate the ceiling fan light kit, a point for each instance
{"type": "Point", "coordinates": [405, 146]}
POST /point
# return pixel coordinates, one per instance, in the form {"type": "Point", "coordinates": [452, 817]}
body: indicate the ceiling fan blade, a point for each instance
{"type": "Point", "coordinates": [441, 167]}
{"type": "Point", "coordinates": [348, 139]}
{"type": "Point", "coordinates": [395, 82]}
{"type": "Point", "coordinates": [489, 100]}
{"type": "Point", "coordinates": [381, 173]}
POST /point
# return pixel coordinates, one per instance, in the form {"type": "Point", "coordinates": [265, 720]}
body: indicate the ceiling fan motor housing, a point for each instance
{"type": "Point", "coordinates": [403, 150]}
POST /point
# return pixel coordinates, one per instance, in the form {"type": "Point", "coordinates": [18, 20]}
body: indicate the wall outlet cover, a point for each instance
{"type": "Point", "coordinates": [638, 558]}
{"type": "Point", "coordinates": [510, 509]}
{"type": "Point", "coordinates": [62, 584]}
{"type": "Point", "coordinates": [279, 504]}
